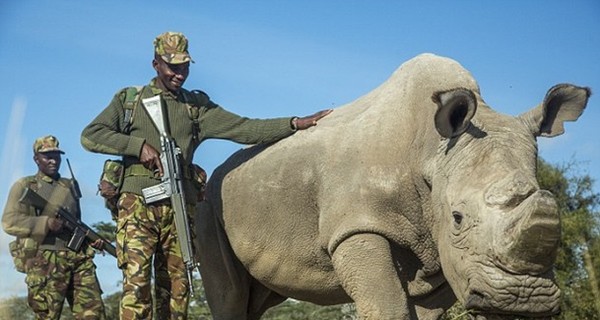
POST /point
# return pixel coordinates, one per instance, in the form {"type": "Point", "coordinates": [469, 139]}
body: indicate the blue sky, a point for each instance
{"type": "Point", "coordinates": [62, 61]}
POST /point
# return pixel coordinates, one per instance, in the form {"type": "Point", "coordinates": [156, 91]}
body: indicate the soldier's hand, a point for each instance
{"type": "Point", "coordinates": [98, 244]}
{"type": "Point", "coordinates": [199, 176]}
{"type": "Point", "coordinates": [150, 158]}
{"type": "Point", "coordinates": [310, 121]}
{"type": "Point", "coordinates": [55, 224]}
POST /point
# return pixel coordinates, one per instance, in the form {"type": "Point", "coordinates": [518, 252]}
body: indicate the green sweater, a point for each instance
{"type": "Point", "coordinates": [104, 134]}
{"type": "Point", "coordinates": [25, 221]}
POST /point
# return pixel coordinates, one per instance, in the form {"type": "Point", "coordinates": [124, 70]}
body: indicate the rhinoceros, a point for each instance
{"type": "Point", "coordinates": [403, 201]}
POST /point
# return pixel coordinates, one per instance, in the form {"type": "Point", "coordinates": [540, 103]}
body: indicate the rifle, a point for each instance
{"type": "Point", "coordinates": [74, 185]}
{"type": "Point", "coordinates": [171, 185]}
{"type": "Point", "coordinates": [80, 230]}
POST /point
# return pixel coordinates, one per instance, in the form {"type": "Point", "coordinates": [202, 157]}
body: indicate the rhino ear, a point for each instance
{"type": "Point", "coordinates": [455, 109]}
{"type": "Point", "coordinates": [563, 102]}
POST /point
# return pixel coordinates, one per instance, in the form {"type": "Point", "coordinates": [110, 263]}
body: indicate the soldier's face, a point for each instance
{"type": "Point", "coordinates": [170, 76]}
{"type": "Point", "coordinates": [48, 162]}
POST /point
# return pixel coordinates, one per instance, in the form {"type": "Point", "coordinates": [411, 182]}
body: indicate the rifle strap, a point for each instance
{"type": "Point", "coordinates": [136, 170]}
{"type": "Point", "coordinates": [193, 111]}
{"type": "Point", "coordinates": [33, 185]}
{"type": "Point", "coordinates": [133, 97]}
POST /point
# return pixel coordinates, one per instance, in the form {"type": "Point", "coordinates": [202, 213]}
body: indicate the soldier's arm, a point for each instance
{"type": "Point", "coordinates": [104, 133]}
{"type": "Point", "coordinates": [216, 122]}
{"type": "Point", "coordinates": [18, 219]}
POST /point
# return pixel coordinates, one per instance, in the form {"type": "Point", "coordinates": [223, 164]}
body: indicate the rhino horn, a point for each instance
{"type": "Point", "coordinates": [528, 242]}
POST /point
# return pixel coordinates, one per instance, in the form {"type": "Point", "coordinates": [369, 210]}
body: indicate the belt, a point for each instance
{"type": "Point", "coordinates": [138, 169]}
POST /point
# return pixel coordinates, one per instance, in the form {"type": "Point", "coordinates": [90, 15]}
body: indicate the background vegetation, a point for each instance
{"type": "Point", "coordinates": [577, 266]}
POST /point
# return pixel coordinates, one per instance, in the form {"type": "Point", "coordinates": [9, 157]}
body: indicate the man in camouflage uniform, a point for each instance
{"type": "Point", "coordinates": [146, 235]}
{"type": "Point", "coordinates": [53, 272]}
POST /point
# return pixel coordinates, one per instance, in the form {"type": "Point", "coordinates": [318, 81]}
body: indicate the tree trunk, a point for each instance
{"type": "Point", "coordinates": [593, 280]}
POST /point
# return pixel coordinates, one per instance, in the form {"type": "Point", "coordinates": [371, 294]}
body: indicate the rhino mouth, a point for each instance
{"type": "Point", "coordinates": [507, 295]}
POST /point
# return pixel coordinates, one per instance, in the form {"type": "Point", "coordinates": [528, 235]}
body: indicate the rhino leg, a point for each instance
{"type": "Point", "coordinates": [365, 267]}
{"type": "Point", "coordinates": [232, 293]}
{"type": "Point", "coordinates": [226, 282]}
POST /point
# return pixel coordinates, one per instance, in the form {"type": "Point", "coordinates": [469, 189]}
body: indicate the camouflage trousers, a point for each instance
{"type": "Point", "coordinates": [146, 240]}
{"type": "Point", "coordinates": [53, 276]}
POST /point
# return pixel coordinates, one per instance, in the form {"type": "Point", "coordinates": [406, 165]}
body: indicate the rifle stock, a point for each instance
{"type": "Point", "coordinates": [80, 230]}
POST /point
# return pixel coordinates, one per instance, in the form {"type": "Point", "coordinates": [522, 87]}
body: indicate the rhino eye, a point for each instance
{"type": "Point", "coordinates": [458, 218]}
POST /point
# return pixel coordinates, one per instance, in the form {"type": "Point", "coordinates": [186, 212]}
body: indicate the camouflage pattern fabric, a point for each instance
{"type": "Point", "coordinates": [199, 182]}
{"type": "Point", "coordinates": [111, 179]}
{"type": "Point", "coordinates": [53, 276]}
{"type": "Point", "coordinates": [109, 187]}
{"type": "Point", "coordinates": [144, 232]}
{"type": "Point", "coordinates": [22, 249]}
{"type": "Point", "coordinates": [172, 47]}
{"type": "Point", "coordinates": [47, 143]}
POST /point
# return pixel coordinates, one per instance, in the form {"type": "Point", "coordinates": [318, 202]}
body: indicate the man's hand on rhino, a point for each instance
{"type": "Point", "coordinates": [309, 121]}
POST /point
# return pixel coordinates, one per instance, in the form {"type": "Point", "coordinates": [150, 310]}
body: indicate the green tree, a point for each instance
{"type": "Point", "coordinates": [577, 265]}
{"type": "Point", "coordinates": [300, 310]}
{"type": "Point", "coordinates": [15, 308]}
{"type": "Point", "coordinates": [111, 305]}
{"type": "Point", "coordinates": [198, 308]}
{"type": "Point", "coordinates": [106, 230]}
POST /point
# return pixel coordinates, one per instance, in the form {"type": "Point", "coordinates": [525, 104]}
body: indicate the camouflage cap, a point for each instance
{"type": "Point", "coordinates": [172, 47]}
{"type": "Point", "coordinates": [47, 143]}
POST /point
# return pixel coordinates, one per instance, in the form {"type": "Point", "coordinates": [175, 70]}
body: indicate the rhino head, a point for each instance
{"type": "Point", "coordinates": [497, 232]}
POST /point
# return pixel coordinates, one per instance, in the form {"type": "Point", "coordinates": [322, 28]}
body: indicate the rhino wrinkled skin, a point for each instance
{"type": "Point", "coordinates": [412, 196]}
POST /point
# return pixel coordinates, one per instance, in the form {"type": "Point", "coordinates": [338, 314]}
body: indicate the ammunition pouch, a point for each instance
{"type": "Point", "coordinates": [110, 184]}
{"type": "Point", "coordinates": [21, 250]}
